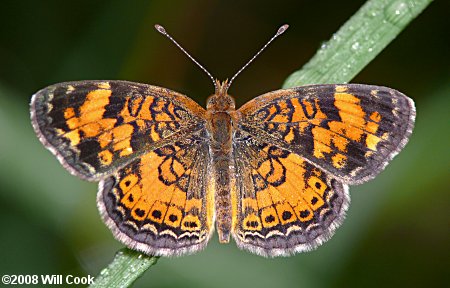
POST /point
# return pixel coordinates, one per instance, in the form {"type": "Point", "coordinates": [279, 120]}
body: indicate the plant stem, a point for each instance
{"type": "Point", "coordinates": [127, 266]}
{"type": "Point", "coordinates": [357, 42]}
{"type": "Point", "coordinates": [350, 49]}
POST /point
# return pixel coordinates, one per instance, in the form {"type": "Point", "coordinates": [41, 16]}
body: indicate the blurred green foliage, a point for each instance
{"type": "Point", "coordinates": [396, 231]}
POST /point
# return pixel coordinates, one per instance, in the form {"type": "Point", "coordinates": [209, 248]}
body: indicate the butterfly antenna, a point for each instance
{"type": "Point", "coordinates": [161, 30]}
{"type": "Point", "coordinates": [280, 31]}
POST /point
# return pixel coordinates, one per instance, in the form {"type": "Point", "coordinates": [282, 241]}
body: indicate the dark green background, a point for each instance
{"type": "Point", "coordinates": [397, 228]}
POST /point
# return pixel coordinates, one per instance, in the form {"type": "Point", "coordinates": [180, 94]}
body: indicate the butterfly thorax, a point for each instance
{"type": "Point", "coordinates": [221, 107]}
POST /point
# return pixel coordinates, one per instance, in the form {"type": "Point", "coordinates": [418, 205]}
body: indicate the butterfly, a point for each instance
{"type": "Point", "coordinates": [273, 174]}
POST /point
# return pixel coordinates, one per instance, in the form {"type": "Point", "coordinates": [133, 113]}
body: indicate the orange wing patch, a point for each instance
{"type": "Point", "coordinates": [90, 122]}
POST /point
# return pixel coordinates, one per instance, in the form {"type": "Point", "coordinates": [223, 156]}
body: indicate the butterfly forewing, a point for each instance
{"type": "Point", "coordinates": [350, 131]}
{"type": "Point", "coordinates": [94, 127]}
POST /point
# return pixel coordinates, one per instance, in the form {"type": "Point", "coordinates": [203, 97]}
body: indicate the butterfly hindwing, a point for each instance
{"type": "Point", "coordinates": [285, 204]}
{"type": "Point", "coordinates": [160, 203]}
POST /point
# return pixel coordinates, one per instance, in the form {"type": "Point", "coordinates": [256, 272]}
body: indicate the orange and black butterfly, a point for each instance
{"type": "Point", "coordinates": [273, 174]}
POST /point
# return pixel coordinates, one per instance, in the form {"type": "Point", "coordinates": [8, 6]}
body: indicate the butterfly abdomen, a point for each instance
{"type": "Point", "coordinates": [220, 130]}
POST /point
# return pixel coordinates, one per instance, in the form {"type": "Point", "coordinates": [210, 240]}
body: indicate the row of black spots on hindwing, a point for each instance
{"type": "Point", "coordinates": [128, 223]}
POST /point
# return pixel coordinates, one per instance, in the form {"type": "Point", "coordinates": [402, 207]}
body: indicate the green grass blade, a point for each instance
{"type": "Point", "coordinates": [126, 267]}
{"type": "Point", "coordinates": [357, 42]}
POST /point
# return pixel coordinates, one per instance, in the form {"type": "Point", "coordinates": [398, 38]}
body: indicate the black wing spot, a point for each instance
{"type": "Point", "coordinates": [139, 212]}
{"type": "Point", "coordinates": [270, 219]}
{"type": "Point", "coordinates": [286, 215]}
{"type": "Point", "coordinates": [156, 214]}
{"type": "Point", "coordinates": [190, 224]}
{"type": "Point", "coordinates": [304, 213]}
{"type": "Point", "coordinates": [252, 224]}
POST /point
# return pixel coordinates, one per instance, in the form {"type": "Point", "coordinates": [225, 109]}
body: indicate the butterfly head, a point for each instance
{"type": "Point", "coordinates": [220, 100]}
